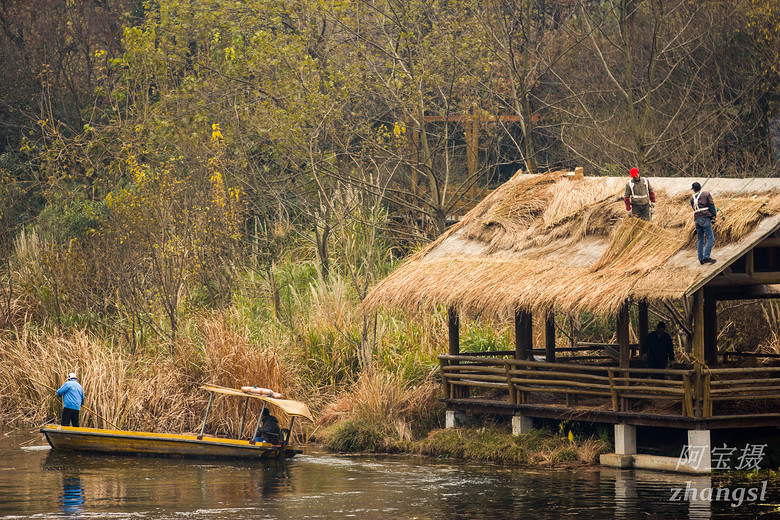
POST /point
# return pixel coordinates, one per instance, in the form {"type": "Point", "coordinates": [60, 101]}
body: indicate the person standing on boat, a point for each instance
{"type": "Point", "coordinates": [269, 428]}
{"type": "Point", "coordinates": [72, 398]}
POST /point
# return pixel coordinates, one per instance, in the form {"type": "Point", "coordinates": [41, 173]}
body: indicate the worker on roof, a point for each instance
{"type": "Point", "coordinates": [639, 196]}
{"type": "Point", "coordinates": [703, 215]}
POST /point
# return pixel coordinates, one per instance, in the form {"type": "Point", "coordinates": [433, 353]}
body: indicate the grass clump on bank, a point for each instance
{"type": "Point", "coordinates": [491, 444]}
{"type": "Point", "coordinates": [379, 411]}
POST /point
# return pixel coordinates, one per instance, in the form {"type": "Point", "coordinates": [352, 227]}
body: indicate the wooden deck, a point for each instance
{"type": "Point", "coordinates": [692, 397]}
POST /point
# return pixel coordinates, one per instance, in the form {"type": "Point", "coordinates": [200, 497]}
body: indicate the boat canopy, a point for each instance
{"type": "Point", "coordinates": [290, 407]}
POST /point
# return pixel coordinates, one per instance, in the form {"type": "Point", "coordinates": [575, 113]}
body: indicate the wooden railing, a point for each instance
{"type": "Point", "coordinates": [724, 385]}
{"type": "Point", "coordinates": [696, 388]}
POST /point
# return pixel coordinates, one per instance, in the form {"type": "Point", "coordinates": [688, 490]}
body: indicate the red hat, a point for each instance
{"type": "Point", "coordinates": [634, 172]}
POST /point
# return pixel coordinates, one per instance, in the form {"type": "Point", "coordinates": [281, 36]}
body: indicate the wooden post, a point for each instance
{"type": "Point", "coordinates": [511, 385]}
{"type": "Point", "coordinates": [456, 392]}
{"type": "Point", "coordinates": [643, 325]}
{"type": "Point", "coordinates": [710, 328]}
{"type": "Point", "coordinates": [698, 326]}
{"type": "Point", "coordinates": [623, 337]}
{"type": "Point", "coordinates": [613, 391]}
{"type": "Point", "coordinates": [524, 337]}
{"type": "Point", "coordinates": [445, 385]}
{"type": "Point", "coordinates": [454, 331]}
{"type": "Point", "coordinates": [549, 337]}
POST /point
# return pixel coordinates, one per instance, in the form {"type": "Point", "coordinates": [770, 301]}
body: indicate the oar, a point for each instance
{"type": "Point", "coordinates": [90, 410]}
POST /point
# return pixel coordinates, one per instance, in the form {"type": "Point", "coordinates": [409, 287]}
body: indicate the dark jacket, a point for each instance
{"type": "Point", "coordinates": [659, 349]}
{"type": "Point", "coordinates": [702, 208]}
{"type": "Point", "coordinates": [269, 429]}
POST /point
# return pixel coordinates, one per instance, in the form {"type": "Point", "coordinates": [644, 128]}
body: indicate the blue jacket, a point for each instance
{"type": "Point", "coordinates": [73, 394]}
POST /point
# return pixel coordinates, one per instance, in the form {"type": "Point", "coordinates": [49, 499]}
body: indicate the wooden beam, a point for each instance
{"type": "Point", "coordinates": [624, 348]}
{"type": "Point", "coordinates": [710, 328]}
{"type": "Point", "coordinates": [769, 242]}
{"type": "Point", "coordinates": [748, 292]}
{"type": "Point", "coordinates": [454, 331]}
{"type": "Point", "coordinates": [549, 338]}
{"type": "Point", "coordinates": [468, 117]}
{"type": "Point", "coordinates": [750, 263]}
{"type": "Point", "coordinates": [737, 279]}
{"type": "Point", "coordinates": [524, 337]}
{"type": "Point", "coordinates": [698, 325]}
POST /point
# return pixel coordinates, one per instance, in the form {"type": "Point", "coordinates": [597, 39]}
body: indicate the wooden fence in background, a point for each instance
{"type": "Point", "coordinates": [696, 388]}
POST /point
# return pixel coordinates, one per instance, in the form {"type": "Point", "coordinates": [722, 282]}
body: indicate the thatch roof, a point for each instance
{"type": "Point", "coordinates": [542, 242]}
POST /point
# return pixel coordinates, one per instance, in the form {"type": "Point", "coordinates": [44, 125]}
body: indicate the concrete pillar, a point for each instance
{"type": "Point", "coordinates": [698, 457]}
{"type": "Point", "coordinates": [521, 424]}
{"type": "Point", "coordinates": [625, 439]}
{"type": "Point", "coordinates": [454, 418]}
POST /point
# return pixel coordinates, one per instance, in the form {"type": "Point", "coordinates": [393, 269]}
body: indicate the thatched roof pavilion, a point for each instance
{"type": "Point", "coordinates": [562, 242]}
{"type": "Point", "coordinates": [559, 241]}
{"type": "Point", "coordinates": [544, 242]}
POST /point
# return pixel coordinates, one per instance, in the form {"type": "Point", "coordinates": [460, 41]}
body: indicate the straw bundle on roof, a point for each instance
{"type": "Point", "coordinates": [570, 197]}
{"type": "Point", "coordinates": [739, 216]}
{"type": "Point", "coordinates": [514, 206]}
{"type": "Point", "coordinates": [638, 245]}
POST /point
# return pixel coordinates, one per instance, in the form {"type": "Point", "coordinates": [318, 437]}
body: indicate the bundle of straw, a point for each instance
{"type": "Point", "coordinates": [637, 245]}
{"type": "Point", "coordinates": [571, 197]}
{"type": "Point", "coordinates": [738, 217]}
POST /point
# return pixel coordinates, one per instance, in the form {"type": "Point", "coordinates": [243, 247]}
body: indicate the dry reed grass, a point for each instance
{"type": "Point", "coordinates": [388, 403]}
{"type": "Point", "coordinates": [151, 391]}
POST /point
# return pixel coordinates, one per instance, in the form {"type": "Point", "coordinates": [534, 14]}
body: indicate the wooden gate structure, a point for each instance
{"type": "Point", "coordinates": [559, 242]}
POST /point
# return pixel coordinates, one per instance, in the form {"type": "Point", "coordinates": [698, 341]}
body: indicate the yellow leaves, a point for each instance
{"type": "Point", "coordinates": [100, 53]}
{"type": "Point", "coordinates": [399, 129]}
{"type": "Point", "coordinates": [216, 133]}
{"type": "Point", "coordinates": [230, 53]}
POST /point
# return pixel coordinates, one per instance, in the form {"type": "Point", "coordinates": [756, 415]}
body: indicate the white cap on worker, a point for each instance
{"type": "Point", "coordinates": [72, 375]}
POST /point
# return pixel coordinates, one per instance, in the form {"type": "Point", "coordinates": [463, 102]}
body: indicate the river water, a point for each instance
{"type": "Point", "coordinates": [39, 483]}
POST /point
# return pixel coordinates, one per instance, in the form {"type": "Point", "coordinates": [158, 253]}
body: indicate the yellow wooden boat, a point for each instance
{"type": "Point", "coordinates": [68, 438]}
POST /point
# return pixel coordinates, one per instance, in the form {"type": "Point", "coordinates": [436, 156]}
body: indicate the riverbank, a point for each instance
{"type": "Point", "coordinates": [492, 443]}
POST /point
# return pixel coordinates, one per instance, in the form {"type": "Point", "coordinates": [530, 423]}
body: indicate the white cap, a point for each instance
{"type": "Point", "coordinates": [72, 375]}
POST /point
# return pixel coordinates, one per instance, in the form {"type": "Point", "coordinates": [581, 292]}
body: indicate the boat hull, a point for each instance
{"type": "Point", "coordinates": [68, 438]}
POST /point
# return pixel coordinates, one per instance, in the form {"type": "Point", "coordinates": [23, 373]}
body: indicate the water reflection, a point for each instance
{"type": "Point", "coordinates": [72, 500]}
{"type": "Point", "coordinates": [325, 486]}
{"type": "Point", "coordinates": [633, 487]}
